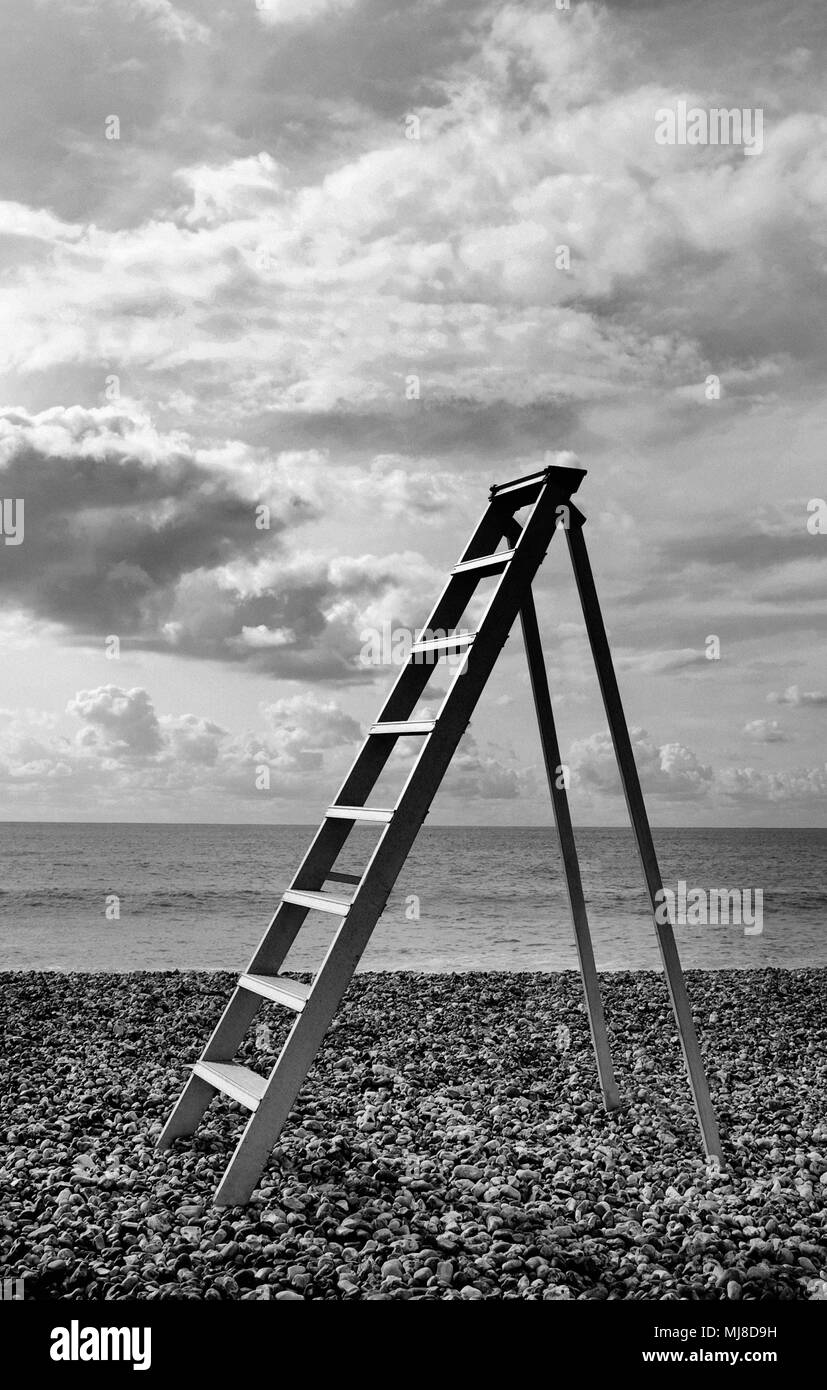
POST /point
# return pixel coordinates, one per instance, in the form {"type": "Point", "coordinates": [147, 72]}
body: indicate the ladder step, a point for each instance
{"type": "Point", "coordinates": [360, 813]}
{"type": "Point", "coordinates": [444, 644]}
{"type": "Point", "coordinates": [485, 564]}
{"type": "Point", "coordinates": [235, 1081]}
{"type": "Point", "coordinates": [338, 877]}
{"type": "Point", "coordinates": [404, 726]}
{"type": "Point", "coordinates": [321, 902]}
{"type": "Point", "coordinates": [291, 993]}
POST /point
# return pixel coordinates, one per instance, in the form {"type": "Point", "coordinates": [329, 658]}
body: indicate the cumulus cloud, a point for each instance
{"type": "Point", "coordinates": [123, 747]}
{"type": "Point", "coordinates": [124, 750]}
{"type": "Point", "coordinates": [475, 774]}
{"type": "Point", "coordinates": [117, 723]}
{"type": "Point", "coordinates": [802, 786]}
{"type": "Point", "coordinates": [668, 769]}
{"type": "Point", "coordinates": [673, 772]}
{"type": "Point", "coordinates": [301, 727]}
{"type": "Point", "coordinates": [124, 754]}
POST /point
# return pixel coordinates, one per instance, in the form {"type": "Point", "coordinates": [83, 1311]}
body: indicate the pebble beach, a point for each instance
{"type": "Point", "coordinates": [449, 1143]}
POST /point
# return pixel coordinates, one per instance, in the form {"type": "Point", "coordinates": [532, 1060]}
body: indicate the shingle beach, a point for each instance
{"type": "Point", "coordinates": [449, 1143]}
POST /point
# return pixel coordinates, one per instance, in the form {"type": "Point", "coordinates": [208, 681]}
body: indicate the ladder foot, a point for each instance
{"type": "Point", "coordinates": [185, 1118]}
{"type": "Point", "coordinates": [613, 1100]}
{"type": "Point", "coordinates": [243, 1172]}
{"type": "Point", "coordinates": [236, 1187]}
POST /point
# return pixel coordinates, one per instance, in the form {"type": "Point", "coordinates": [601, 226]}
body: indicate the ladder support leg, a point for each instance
{"type": "Point", "coordinates": [568, 852]}
{"type": "Point", "coordinates": [643, 835]}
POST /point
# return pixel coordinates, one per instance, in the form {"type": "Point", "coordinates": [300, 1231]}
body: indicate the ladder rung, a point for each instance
{"type": "Point", "coordinates": [444, 644]}
{"type": "Point", "coordinates": [485, 564]}
{"type": "Point", "coordinates": [240, 1083]}
{"type": "Point", "coordinates": [335, 876]}
{"type": "Point", "coordinates": [405, 726]}
{"type": "Point", "coordinates": [291, 993]}
{"type": "Point", "coordinates": [361, 813]}
{"type": "Point", "coordinates": [322, 902]}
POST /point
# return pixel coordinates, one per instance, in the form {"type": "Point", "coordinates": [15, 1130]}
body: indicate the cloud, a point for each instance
{"type": "Point", "coordinates": [673, 772]}
{"type": "Point", "coordinates": [118, 723]}
{"type": "Point", "coordinates": [476, 775]}
{"type": "Point", "coordinates": [438, 257]}
{"type": "Point", "coordinates": [765, 731]}
{"type": "Point", "coordinates": [302, 726]}
{"type": "Point", "coordinates": [139, 534]}
{"type": "Point", "coordinates": [668, 769]}
{"type": "Point", "coordinates": [124, 749]}
{"type": "Point", "coordinates": [806, 787]}
{"type": "Point", "coordinates": [124, 754]}
{"type": "Point", "coordinates": [345, 317]}
{"type": "Point", "coordinates": [794, 695]}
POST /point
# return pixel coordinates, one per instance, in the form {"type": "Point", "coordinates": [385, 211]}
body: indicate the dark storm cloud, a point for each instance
{"type": "Point", "coordinates": [132, 533]}
{"type": "Point", "coordinates": [115, 518]}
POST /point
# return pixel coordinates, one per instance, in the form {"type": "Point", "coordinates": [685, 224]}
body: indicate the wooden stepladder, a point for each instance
{"type": "Point", "coordinates": [502, 547]}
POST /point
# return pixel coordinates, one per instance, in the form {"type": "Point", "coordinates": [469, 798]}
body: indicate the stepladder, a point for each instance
{"type": "Point", "coordinates": [507, 547]}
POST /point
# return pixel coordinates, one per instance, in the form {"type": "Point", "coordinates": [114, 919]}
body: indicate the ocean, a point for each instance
{"type": "Point", "coordinates": [200, 897]}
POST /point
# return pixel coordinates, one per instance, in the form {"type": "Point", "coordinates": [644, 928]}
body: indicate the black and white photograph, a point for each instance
{"type": "Point", "coordinates": [413, 675]}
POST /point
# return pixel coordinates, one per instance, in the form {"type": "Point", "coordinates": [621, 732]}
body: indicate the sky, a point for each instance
{"type": "Point", "coordinates": [282, 294]}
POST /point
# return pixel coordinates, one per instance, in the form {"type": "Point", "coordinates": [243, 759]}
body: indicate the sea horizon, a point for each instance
{"type": "Point", "coordinates": [451, 825]}
{"type": "Point", "coordinates": [160, 895]}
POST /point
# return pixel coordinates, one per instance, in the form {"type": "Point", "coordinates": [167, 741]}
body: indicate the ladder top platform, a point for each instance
{"type": "Point", "coordinates": [568, 478]}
